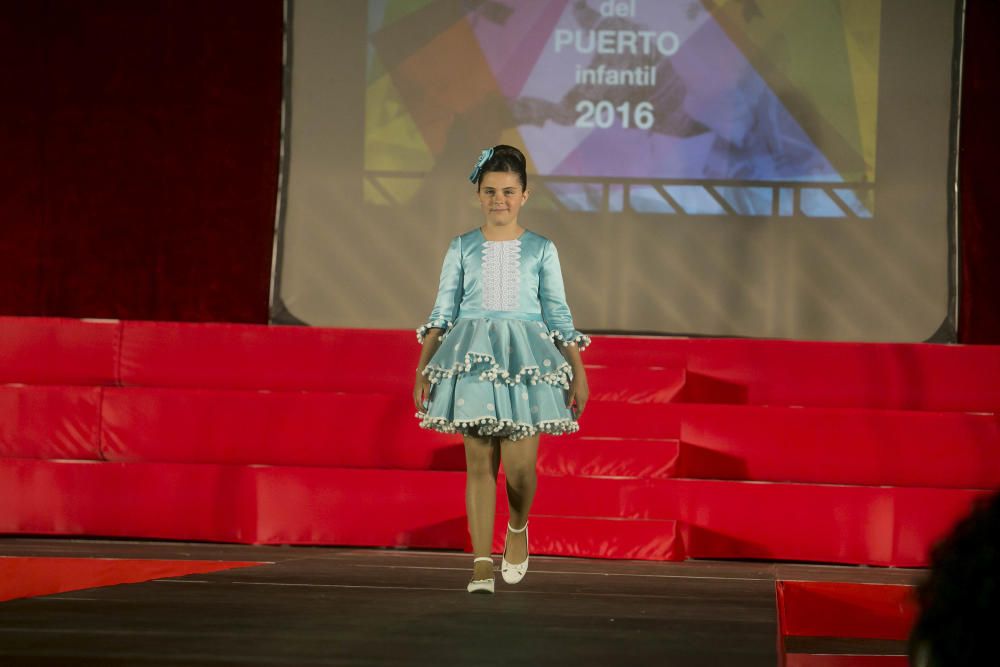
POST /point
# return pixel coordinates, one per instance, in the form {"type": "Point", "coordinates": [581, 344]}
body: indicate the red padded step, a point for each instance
{"type": "Point", "coordinates": [29, 577]}
{"type": "Point", "coordinates": [275, 428]}
{"type": "Point", "coordinates": [833, 609]}
{"type": "Point", "coordinates": [586, 456]}
{"type": "Point", "coordinates": [781, 372]}
{"type": "Point", "coordinates": [159, 501]}
{"type": "Point", "coordinates": [239, 356]}
{"type": "Point", "coordinates": [890, 376]}
{"type": "Point", "coordinates": [285, 505]}
{"type": "Point", "coordinates": [772, 521]}
{"type": "Point", "coordinates": [49, 422]}
{"type": "Point", "coordinates": [214, 356]}
{"type": "Point", "coordinates": [840, 446]}
{"type": "Point", "coordinates": [623, 539]}
{"type": "Point", "coordinates": [40, 350]}
{"type": "Point", "coordinates": [308, 428]}
{"type": "Point", "coordinates": [881, 526]}
{"type": "Point", "coordinates": [833, 660]}
{"type": "Point", "coordinates": [718, 442]}
{"type": "Point", "coordinates": [391, 508]}
{"type": "Point", "coordinates": [635, 385]}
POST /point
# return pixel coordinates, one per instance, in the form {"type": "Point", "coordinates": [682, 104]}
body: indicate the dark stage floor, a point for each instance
{"type": "Point", "coordinates": [340, 606]}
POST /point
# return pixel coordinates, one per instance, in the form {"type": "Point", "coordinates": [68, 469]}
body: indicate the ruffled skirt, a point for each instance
{"type": "Point", "coordinates": [498, 378]}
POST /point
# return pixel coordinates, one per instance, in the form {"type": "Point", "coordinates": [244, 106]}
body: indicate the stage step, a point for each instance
{"type": "Point", "coordinates": [831, 452]}
{"type": "Point", "coordinates": [585, 456]}
{"type": "Point", "coordinates": [809, 610]}
{"type": "Point", "coordinates": [41, 350]}
{"type": "Point", "coordinates": [308, 428]}
{"type": "Point", "coordinates": [774, 521]}
{"type": "Point", "coordinates": [840, 446]}
{"type": "Point", "coordinates": [286, 505]}
{"type": "Point", "coordinates": [297, 505]}
{"type": "Point", "coordinates": [588, 537]}
{"type": "Point", "coordinates": [813, 445]}
{"type": "Point", "coordinates": [846, 660]}
{"type": "Point", "coordinates": [890, 376]}
{"type": "Point", "coordinates": [48, 422]}
{"type": "Point", "coordinates": [734, 371]}
{"type": "Point", "coordinates": [835, 609]}
{"type": "Point", "coordinates": [636, 385]}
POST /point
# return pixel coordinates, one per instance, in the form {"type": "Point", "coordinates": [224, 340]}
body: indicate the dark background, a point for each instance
{"type": "Point", "coordinates": [141, 148]}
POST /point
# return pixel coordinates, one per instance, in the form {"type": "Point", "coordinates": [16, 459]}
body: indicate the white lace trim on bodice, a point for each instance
{"type": "Point", "coordinates": [501, 275]}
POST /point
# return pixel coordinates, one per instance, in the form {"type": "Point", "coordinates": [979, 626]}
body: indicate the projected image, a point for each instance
{"type": "Point", "coordinates": [673, 107]}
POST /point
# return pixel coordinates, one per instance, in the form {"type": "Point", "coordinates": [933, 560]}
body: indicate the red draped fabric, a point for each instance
{"type": "Point", "coordinates": [140, 157]}
{"type": "Point", "coordinates": [979, 146]}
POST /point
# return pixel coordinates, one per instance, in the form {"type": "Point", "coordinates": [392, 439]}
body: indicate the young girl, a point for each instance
{"type": "Point", "coordinates": [490, 367]}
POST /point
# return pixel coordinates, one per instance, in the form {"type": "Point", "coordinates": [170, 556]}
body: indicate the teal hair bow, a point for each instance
{"type": "Point", "coordinates": [483, 157]}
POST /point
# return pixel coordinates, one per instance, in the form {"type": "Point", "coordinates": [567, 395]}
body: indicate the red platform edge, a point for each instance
{"type": "Point", "coordinates": [834, 609]}
{"type": "Point", "coordinates": [831, 660]}
{"type": "Point", "coordinates": [843, 610]}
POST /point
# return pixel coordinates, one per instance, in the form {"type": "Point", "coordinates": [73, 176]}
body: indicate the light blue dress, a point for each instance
{"type": "Point", "coordinates": [498, 373]}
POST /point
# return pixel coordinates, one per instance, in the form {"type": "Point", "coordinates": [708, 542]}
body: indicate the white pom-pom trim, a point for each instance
{"type": "Point", "coordinates": [560, 376]}
{"type": "Point", "coordinates": [434, 324]}
{"type": "Point", "coordinates": [488, 426]}
{"type": "Point", "coordinates": [575, 338]}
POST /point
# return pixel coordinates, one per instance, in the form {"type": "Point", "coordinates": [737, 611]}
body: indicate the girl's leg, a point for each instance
{"type": "Point", "coordinates": [482, 458]}
{"type": "Point", "coordinates": [519, 460]}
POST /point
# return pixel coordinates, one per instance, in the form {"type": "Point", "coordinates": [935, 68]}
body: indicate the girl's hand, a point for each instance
{"type": "Point", "coordinates": [579, 392]}
{"type": "Point", "coordinates": [421, 391]}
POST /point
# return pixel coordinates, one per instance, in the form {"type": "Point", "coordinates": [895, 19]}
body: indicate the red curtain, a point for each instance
{"type": "Point", "coordinates": [979, 196]}
{"type": "Point", "coordinates": [139, 157]}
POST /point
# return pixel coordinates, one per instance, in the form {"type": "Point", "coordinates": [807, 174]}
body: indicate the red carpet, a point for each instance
{"type": "Point", "coordinates": [29, 577]}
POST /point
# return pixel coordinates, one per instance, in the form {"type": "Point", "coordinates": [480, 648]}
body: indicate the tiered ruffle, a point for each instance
{"type": "Point", "coordinates": [499, 377]}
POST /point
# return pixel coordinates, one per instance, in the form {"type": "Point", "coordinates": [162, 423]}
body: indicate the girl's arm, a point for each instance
{"type": "Point", "coordinates": [441, 319]}
{"type": "Point", "coordinates": [556, 313]}
{"type": "Point", "coordinates": [422, 385]}
{"type": "Point", "coordinates": [579, 390]}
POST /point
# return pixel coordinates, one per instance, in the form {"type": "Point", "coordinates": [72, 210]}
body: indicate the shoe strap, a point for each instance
{"type": "Point", "coordinates": [517, 530]}
{"type": "Point", "coordinates": [482, 558]}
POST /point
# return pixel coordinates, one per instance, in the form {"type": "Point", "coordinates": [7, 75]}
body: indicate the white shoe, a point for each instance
{"type": "Point", "coordinates": [514, 573]}
{"type": "Point", "coordinates": [481, 585]}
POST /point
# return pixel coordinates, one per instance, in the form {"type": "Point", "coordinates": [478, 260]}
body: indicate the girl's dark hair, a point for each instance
{"type": "Point", "coordinates": [506, 158]}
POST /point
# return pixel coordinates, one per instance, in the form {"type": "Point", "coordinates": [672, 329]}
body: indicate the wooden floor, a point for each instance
{"type": "Point", "coordinates": [341, 606]}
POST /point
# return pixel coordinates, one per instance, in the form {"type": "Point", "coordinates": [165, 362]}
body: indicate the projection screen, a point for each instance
{"type": "Point", "coordinates": [727, 168]}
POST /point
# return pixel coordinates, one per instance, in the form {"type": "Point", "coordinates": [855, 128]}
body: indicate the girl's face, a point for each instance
{"type": "Point", "coordinates": [501, 197]}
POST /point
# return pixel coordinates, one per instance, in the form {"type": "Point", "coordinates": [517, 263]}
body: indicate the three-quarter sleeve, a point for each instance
{"type": "Point", "coordinates": [449, 294]}
{"type": "Point", "coordinates": [552, 294]}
